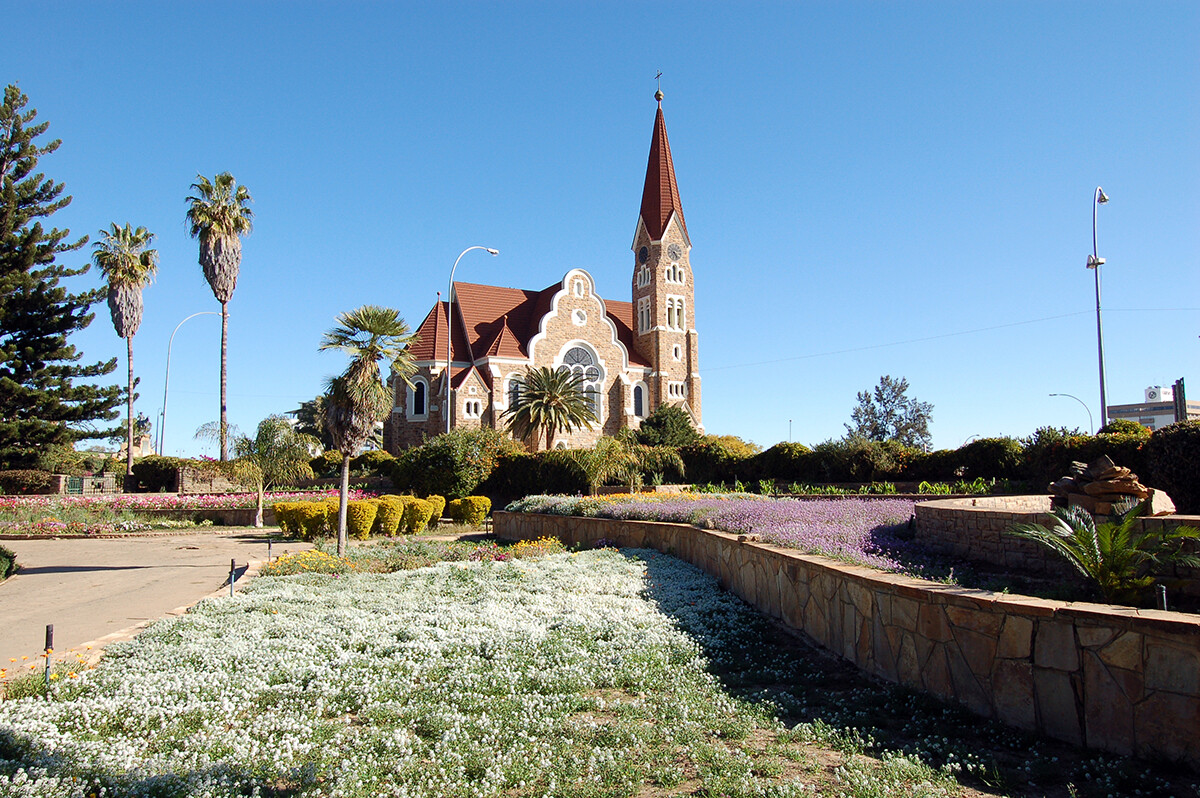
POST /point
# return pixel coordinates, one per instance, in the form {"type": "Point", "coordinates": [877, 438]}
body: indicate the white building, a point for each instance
{"type": "Point", "coordinates": [1157, 411]}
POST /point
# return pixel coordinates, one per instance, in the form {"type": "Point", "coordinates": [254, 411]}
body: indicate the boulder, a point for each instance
{"type": "Point", "coordinates": [1159, 503]}
{"type": "Point", "coordinates": [1099, 466]}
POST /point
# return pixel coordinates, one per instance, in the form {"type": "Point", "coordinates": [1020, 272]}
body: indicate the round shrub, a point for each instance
{"type": "Point", "coordinates": [328, 464]}
{"type": "Point", "coordinates": [439, 506]}
{"type": "Point", "coordinates": [373, 461]}
{"type": "Point", "coordinates": [416, 515]}
{"type": "Point", "coordinates": [1173, 463]}
{"type": "Point", "coordinates": [1124, 426]}
{"type": "Point", "coordinates": [470, 510]}
{"type": "Point", "coordinates": [360, 517]}
{"type": "Point", "coordinates": [313, 518]}
{"type": "Point", "coordinates": [783, 462]}
{"type": "Point", "coordinates": [287, 518]}
{"type": "Point", "coordinates": [389, 516]}
{"type": "Point", "coordinates": [991, 458]}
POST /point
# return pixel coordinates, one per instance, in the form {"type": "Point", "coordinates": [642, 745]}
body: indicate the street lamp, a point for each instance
{"type": "Point", "coordinates": [1091, 425]}
{"type": "Point", "coordinates": [162, 421]}
{"type": "Point", "coordinates": [1094, 261]}
{"type": "Point", "coordinates": [449, 315]}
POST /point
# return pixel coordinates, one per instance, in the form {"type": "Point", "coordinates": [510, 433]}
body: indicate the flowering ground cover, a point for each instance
{"type": "Point", "coordinates": [596, 674]}
{"type": "Point", "coordinates": [853, 530]}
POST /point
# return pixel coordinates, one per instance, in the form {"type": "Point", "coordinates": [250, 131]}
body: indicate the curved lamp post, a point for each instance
{"type": "Point", "coordinates": [449, 325]}
{"type": "Point", "coordinates": [1094, 261]}
{"type": "Point", "coordinates": [162, 422]}
{"type": "Point", "coordinates": [1091, 426]}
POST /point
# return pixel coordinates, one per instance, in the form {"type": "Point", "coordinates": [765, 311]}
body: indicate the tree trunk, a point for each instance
{"type": "Point", "coordinates": [129, 413]}
{"type": "Point", "coordinates": [342, 501]}
{"type": "Point", "coordinates": [258, 515]}
{"type": "Point", "coordinates": [224, 431]}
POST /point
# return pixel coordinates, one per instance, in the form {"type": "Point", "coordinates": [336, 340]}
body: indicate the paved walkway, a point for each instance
{"type": "Point", "coordinates": [92, 588]}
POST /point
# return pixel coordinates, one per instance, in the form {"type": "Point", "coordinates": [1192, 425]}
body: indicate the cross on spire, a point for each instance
{"type": "Point", "coordinates": [658, 95]}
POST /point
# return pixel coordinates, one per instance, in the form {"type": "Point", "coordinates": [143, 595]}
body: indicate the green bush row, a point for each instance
{"type": "Point", "coordinates": [24, 482]}
{"type": "Point", "coordinates": [387, 515]}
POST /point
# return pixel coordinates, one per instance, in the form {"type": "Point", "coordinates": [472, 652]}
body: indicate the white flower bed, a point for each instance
{"type": "Point", "coordinates": [559, 676]}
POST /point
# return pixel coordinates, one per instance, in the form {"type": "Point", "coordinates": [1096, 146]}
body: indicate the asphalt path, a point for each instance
{"type": "Point", "coordinates": [90, 588]}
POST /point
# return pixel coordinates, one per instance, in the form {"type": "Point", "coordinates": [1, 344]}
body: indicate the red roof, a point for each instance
{"type": "Point", "coordinates": [431, 337]}
{"type": "Point", "coordinates": [660, 196]}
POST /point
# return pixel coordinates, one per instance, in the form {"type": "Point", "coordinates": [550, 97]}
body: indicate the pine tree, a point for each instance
{"type": "Point", "coordinates": [40, 405]}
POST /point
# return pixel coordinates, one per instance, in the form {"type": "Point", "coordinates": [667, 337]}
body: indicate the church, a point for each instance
{"type": "Point", "coordinates": [633, 356]}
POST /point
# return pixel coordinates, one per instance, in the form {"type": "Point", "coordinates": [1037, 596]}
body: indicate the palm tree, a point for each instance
{"type": "Point", "coordinates": [1118, 556]}
{"type": "Point", "coordinates": [550, 401]}
{"type": "Point", "coordinates": [358, 398]}
{"type": "Point", "coordinates": [277, 454]}
{"type": "Point", "coordinates": [219, 215]}
{"type": "Point", "coordinates": [123, 255]}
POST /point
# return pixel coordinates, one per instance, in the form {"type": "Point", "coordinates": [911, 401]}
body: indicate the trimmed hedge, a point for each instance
{"type": "Point", "coordinates": [25, 482]}
{"type": "Point", "coordinates": [417, 513]}
{"type": "Point", "coordinates": [471, 510]}
{"type": "Point", "coordinates": [389, 516]}
{"type": "Point", "coordinates": [439, 506]}
{"type": "Point", "coordinates": [374, 461]}
{"type": "Point", "coordinates": [1172, 458]}
{"type": "Point", "coordinates": [360, 518]}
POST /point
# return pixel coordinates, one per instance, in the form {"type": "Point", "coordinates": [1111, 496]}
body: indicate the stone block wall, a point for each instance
{"type": "Point", "coordinates": [1109, 678]}
{"type": "Point", "coordinates": [975, 529]}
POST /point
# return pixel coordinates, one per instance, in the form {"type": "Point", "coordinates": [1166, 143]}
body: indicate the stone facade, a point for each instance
{"type": "Point", "coordinates": [634, 355]}
{"type": "Point", "coordinates": [1108, 678]}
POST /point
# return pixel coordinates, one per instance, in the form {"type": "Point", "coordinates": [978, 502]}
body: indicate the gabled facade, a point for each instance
{"type": "Point", "coordinates": [634, 356]}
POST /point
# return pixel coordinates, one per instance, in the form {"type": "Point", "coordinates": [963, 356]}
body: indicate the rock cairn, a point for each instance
{"type": "Point", "coordinates": [1099, 486]}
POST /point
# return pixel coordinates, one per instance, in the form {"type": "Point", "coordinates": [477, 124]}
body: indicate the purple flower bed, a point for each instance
{"type": "Point", "coordinates": [853, 530]}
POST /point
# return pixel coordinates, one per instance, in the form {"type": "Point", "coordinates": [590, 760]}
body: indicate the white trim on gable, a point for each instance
{"type": "Point", "coordinates": [565, 290]}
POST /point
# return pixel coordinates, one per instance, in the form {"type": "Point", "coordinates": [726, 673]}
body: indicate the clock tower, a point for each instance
{"type": "Point", "coordinates": [663, 288]}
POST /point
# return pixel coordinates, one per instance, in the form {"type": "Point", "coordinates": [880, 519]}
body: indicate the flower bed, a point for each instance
{"type": "Point", "coordinates": [862, 532]}
{"type": "Point", "coordinates": [166, 501]}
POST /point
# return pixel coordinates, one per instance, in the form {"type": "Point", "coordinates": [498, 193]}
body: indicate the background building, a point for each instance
{"type": "Point", "coordinates": [1159, 409]}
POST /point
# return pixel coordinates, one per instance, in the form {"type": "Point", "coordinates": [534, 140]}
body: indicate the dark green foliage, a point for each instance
{"type": "Point", "coordinates": [991, 458]}
{"type": "Point", "coordinates": [1124, 426]}
{"type": "Point", "coordinates": [8, 563]}
{"type": "Point", "coordinates": [1173, 464]}
{"type": "Point", "coordinates": [942, 465]}
{"type": "Point", "coordinates": [374, 461]}
{"type": "Point", "coordinates": [453, 464]}
{"type": "Point", "coordinates": [24, 482]}
{"type": "Point", "coordinates": [888, 414]}
{"type": "Point", "coordinates": [40, 404]}
{"type": "Point", "coordinates": [155, 474]}
{"type": "Point", "coordinates": [855, 459]}
{"type": "Point", "coordinates": [667, 426]}
{"type": "Point", "coordinates": [328, 464]}
{"type": "Point", "coordinates": [1050, 452]}
{"type": "Point", "coordinates": [787, 462]}
{"type": "Point", "coordinates": [522, 474]}
{"type": "Point", "coordinates": [711, 461]}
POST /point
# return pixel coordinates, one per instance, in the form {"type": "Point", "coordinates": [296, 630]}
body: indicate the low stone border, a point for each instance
{"type": "Point", "coordinates": [1110, 678]}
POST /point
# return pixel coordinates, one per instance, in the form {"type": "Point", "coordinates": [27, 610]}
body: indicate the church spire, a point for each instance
{"type": "Point", "coordinates": [660, 196]}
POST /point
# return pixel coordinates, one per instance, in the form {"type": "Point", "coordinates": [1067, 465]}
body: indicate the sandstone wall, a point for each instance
{"type": "Point", "coordinates": [976, 530]}
{"type": "Point", "coordinates": [1109, 678]}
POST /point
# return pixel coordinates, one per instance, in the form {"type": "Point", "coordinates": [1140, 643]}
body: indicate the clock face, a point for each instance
{"type": "Point", "coordinates": [643, 254]}
{"type": "Point", "coordinates": [675, 251]}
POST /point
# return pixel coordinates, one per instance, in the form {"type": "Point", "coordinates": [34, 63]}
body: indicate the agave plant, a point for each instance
{"type": "Point", "coordinates": [1121, 558]}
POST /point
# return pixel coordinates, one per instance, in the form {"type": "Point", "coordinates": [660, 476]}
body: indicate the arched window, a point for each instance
{"type": "Point", "coordinates": [581, 362]}
{"type": "Point", "coordinates": [639, 401]}
{"type": "Point", "coordinates": [418, 399]}
{"type": "Point", "coordinates": [514, 391]}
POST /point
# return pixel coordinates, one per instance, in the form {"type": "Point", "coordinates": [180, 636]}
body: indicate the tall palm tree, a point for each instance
{"type": "Point", "coordinates": [124, 256]}
{"type": "Point", "coordinates": [219, 215]}
{"type": "Point", "coordinates": [359, 398]}
{"type": "Point", "coordinates": [550, 401]}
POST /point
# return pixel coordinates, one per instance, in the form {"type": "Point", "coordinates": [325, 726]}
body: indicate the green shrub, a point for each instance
{"type": "Point", "coordinates": [360, 517]}
{"type": "Point", "coordinates": [1173, 464]}
{"type": "Point", "coordinates": [312, 518]}
{"type": "Point", "coordinates": [8, 563]}
{"type": "Point", "coordinates": [991, 458]}
{"type": "Point", "coordinates": [711, 460]}
{"type": "Point", "coordinates": [156, 474]}
{"type": "Point", "coordinates": [416, 515]}
{"type": "Point", "coordinates": [667, 426]}
{"type": "Point", "coordinates": [389, 517]}
{"type": "Point", "coordinates": [287, 519]}
{"type": "Point", "coordinates": [328, 464]}
{"type": "Point", "coordinates": [1124, 426]}
{"type": "Point", "coordinates": [439, 506]}
{"type": "Point", "coordinates": [453, 464]}
{"type": "Point", "coordinates": [520, 474]}
{"type": "Point", "coordinates": [471, 510]}
{"type": "Point", "coordinates": [24, 482]}
{"type": "Point", "coordinates": [373, 461]}
{"type": "Point", "coordinates": [790, 462]}
{"type": "Point", "coordinates": [856, 459]}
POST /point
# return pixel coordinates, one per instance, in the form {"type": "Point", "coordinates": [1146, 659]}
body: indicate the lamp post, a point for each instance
{"type": "Point", "coordinates": [1094, 261]}
{"type": "Point", "coordinates": [1091, 425]}
{"type": "Point", "coordinates": [449, 331]}
{"type": "Point", "coordinates": [162, 421]}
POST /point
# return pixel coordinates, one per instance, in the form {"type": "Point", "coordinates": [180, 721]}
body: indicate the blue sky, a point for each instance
{"type": "Point", "coordinates": [877, 188]}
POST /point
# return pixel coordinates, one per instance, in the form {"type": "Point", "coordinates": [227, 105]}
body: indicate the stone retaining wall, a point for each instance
{"type": "Point", "coordinates": [976, 530]}
{"type": "Point", "coordinates": [1109, 678]}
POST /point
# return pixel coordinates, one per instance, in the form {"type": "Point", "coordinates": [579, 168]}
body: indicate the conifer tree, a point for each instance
{"type": "Point", "coordinates": [40, 404]}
